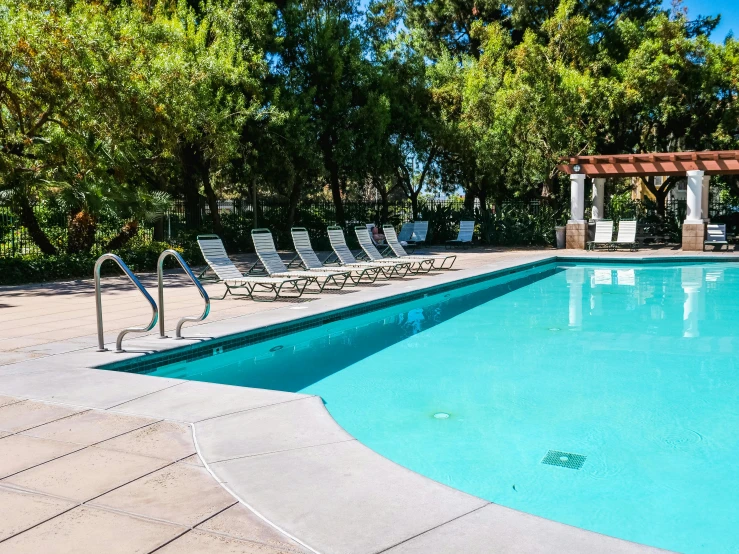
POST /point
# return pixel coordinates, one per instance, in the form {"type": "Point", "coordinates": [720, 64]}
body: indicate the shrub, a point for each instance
{"type": "Point", "coordinates": [138, 255]}
{"type": "Point", "coordinates": [514, 225]}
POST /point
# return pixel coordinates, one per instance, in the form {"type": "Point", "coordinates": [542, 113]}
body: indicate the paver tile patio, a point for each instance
{"type": "Point", "coordinates": [85, 530]}
{"type": "Point", "coordinates": [86, 473]}
{"type": "Point", "coordinates": [78, 386]}
{"type": "Point", "coordinates": [24, 415]}
{"type": "Point", "coordinates": [209, 543]}
{"type": "Point", "coordinates": [19, 452]}
{"type": "Point", "coordinates": [166, 440]}
{"type": "Point", "coordinates": [22, 510]}
{"type": "Point", "coordinates": [53, 305]}
{"type": "Point", "coordinates": [178, 493]}
{"type": "Point", "coordinates": [240, 522]}
{"type": "Point", "coordinates": [89, 427]}
{"type": "Point", "coordinates": [193, 460]}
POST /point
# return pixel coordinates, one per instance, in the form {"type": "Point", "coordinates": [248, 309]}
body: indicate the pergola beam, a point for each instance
{"type": "Point", "coordinates": [666, 164]}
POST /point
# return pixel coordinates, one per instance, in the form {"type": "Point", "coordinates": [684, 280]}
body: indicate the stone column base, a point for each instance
{"type": "Point", "coordinates": [577, 235]}
{"type": "Point", "coordinates": [693, 236]}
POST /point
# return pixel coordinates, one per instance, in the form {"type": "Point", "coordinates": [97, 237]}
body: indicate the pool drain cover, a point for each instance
{"type": "Point", "coordinates": [564, 459]}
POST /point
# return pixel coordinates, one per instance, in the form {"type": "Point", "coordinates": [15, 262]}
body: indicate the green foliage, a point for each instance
{"type": "Point", "coordinates": [514, 225]}
{"type": "Point", "coordinates": [138, 256]}
{"type": "Point", "coordinates": [651, 222]}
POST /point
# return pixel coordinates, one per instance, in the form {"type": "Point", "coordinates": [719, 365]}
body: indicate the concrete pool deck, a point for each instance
{"type": "Point", "coordinates": [280, 454]}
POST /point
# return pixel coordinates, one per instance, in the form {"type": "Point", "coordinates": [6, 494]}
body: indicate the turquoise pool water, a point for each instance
{"type": "Point", "coordinates": [633, 369]}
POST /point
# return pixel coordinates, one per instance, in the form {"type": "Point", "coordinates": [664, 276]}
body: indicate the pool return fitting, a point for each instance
{"type": "Point", "coordinates": [156, 313]}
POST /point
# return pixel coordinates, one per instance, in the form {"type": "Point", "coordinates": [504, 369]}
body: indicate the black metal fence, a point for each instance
{"type": "Point", "coordinates": [505, 223]}
{"type": "Point", "coordinates": [15, 239]}
{"type": "Point", "coordinates": [238, 219]}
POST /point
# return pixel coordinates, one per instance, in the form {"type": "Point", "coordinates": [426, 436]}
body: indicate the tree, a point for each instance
{"type": "Point", "coordinates": [561, 100]}
{"type": "Point", "coordinates": [678, 93]}
{"type": "Point", "coordinates": [52, 73]}
{"type": "Point", "coordinates": [322, 63]}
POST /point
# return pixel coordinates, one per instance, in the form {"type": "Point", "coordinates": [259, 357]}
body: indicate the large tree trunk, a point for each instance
{"type": "Point", "coordinates": [212, 200]}
{"type": "Point", "coordinates": [336, 194]}
{"type": "Point", "coordinates": [80, 232]}
{"type": "Point", "coordinates": [546, 189]}
{"type": "Point", "coordinates": [257, 216]}
{"type": "Point", "coordinates": [327, 146]}
{"type": "Point", "coordinates": [191, 186]}
{"type": "Point", "coordinates": [28, 218]}
{"type": "Point", "coordinates": [660, 198]}
{"type": "Point", "coordinates": [385, 211]}
{"type": "Point", "coordinates": [158, 232]}
{"type": "Point", "coordinates": [469, 201]}
{"type": "Point", "coordinates": [483, 196]}
{"type": "Point", "coordinates": [414, 203]}
{"type": "Point", "coordinates": [660, 194]}
{"type": "Point", "coordinates": [293, 206]}
{"type": "Point", "coordinates": [381, 189]}
{"type": "Point", "coordinates": [129, 230]}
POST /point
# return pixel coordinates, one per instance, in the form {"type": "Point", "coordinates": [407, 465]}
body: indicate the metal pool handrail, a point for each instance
{"type": "Point", "coordinates": [99, 305]}
{"type": "Point", "coordinates": [201, 290]}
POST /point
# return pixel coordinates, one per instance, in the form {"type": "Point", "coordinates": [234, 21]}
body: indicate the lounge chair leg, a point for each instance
{"type": "Point", "coordinates": [221, 297]}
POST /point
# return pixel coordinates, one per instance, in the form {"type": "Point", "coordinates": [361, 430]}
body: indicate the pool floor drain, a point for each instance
{"type": "Point", "coordinates": [276, 348]}
{"type": "Point", "coordinates": [441, 415]}
{"type": "Point", "coordinates": [564, 459]}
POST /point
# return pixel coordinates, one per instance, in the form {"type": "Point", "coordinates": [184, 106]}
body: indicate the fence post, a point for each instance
{"type": "Point", "coordinates": [254, 203]}
{"type": "Point", "coordinates": [12, 234]}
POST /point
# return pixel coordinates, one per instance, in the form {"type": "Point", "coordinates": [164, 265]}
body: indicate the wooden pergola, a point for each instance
{"type": "Point", "coordinates": [720, 162]}
{"type": "Point", "coordinates": [697, 167]}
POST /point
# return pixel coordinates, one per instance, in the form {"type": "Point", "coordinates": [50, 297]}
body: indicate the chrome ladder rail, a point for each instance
{"type": "Point", "coordinates": [191, 275]}
{"type": "Point", "coordinates": [99, 304]}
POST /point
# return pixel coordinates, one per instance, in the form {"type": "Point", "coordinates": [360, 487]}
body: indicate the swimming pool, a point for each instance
{"type": "Point", "coordinates": [602, 396]}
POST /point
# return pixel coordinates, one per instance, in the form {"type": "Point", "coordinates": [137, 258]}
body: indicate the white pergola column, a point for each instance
{"type": "Point", "coordinates": [705, 186]}
{"type": "Point", "coordinates": [598, 192]}
{"type": "Point", "coordinates": [576, 234]}
{"type": "Point", "coordinates": [577, 198]}
{"type": "Point", "coordinates": [695, 195]}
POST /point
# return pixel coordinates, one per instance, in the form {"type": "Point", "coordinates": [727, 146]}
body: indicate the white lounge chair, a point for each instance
{"type": "Point", "coordinates": [310, 261]}
{"type": "Point", "coordinates": [406, 236]}
{"type": "Point", "coordinates": [264, 244]}
{"type": "Point", "coordinates": [464, 237]}
{"type": "Point", "coordinates": [603, 234]}
{"type": "Point", "coordinates": [420, 230]}
{"type": "Point", "coordinates": [381, 247]}
{"type": "Point", "coordinates": [389, 268]}
{"type": "Point", "coordinates": [406, 232]}
{"type": "Point", "coordinates": [626, 234]}
{"type": "Point", "coordinates": [226, 272]}
{"type": "Point", "coordinates": [716, 236]}
{"type": "Point", "coordinates": [365, 241]}
{"type": "Point", "coordinates": [395, 246]}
